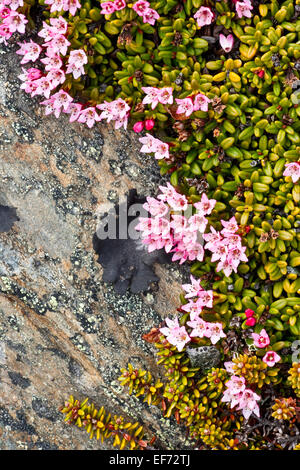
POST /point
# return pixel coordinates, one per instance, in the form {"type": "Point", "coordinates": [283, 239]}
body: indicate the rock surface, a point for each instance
{"type": "Point", "coordinates": [62, 329]}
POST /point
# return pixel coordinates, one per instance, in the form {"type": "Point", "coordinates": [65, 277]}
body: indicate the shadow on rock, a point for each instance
{"type": "Point", "coordinates": [126, 262]}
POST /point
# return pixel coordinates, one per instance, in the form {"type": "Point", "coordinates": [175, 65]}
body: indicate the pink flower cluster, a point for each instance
{"type": "Point", "coordinates": [175, 334]}
{"type": "Point", "coordinates": [165, 96]}
{"type": "Point", "coordinates": [261, 340]}
{"type": "Point", "coordinates": [141, 7]}
{"type": "Point", "coordinates": [238, 395]}
{"type": "Point", "coordinates": [178, 336]}
{"type": "Point", "coordinates": [35, 82]}
{"type": "Point", "coordinates": [157, 95]}
{"type": "Point", "coordinates": [10, 20]}
{"type": "Point", "coordinates": [226, 247]}
{"type": "Point", "coordinates": [192, 103]}
{"type": "Point", "coordinates": [156, 146]}
{"type": "Point", "coordinates": [175, 232]}
{"type": "Point", "coordinates": [117, 110]}
{"type": "Point", "coordinates": [205, 16]}
{"type": "Point", "coordinates": [65, 5]}
{"type": "Point", "coordinates": [293, 170]}
{"type": "Point", "coordinates": [201, 328]}
{"type": "Point", "coordinates": [55, 46]}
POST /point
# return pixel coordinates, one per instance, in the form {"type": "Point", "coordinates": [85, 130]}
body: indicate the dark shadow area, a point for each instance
{"type": "Point", "coordinates": [126, 262]}
{"type": "Point", "coordinates": [8, 216]}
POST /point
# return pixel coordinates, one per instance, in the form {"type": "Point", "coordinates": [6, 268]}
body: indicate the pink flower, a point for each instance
{"type": "Point", "coordinates": [236, 384]}
{"type": "Point", "coordinates": [107, 8]}
{"type": "Point", "coordinates": [16, 22]}
{"type": "Point", "coordinates": [226, 42]}
{"type": "Point", "coordinates": [152, 96]}
{"type": "Point", "coordinates": [215, 332]}
{"type": "Point", "coordinates": [149, 124]}
{"type": "Point", "coordinates": [229, 227]}
{"type": "Point", "coordinates": [192, 289]}
{"type": "Point", "coordinates": [56, 77]}
{"type": "Point", "coordinates": [14, 4]}
{"type": "Point", "coordinates": [178, 202]}
{"type": "Point", "coordinates": [72, 6]}
{"type": "Point", "coordinates": [168, 192]}
{"type": "Point", "coordinates": [74, 110]}
{"type": "Point", "coordinates": [44, 87]}
{"type": "Point", "coordinates": [205, 206]}
{"type": "Point", "coordinates": [30, 51]}
{"type": "Point", "coordinates": [149, 143]}
{"type": "Point", "coordinates": [292, 170]}
{"type": "Point", "coordinates": [119, 4]}
{"type": "Point", "coordinates": [193, 308]}
{"type": "Point", "coordinates": [49, 107]}
{"type": "Point", "coordinates": [270, 358]}
{"type": "Point", "coordinates": [76, 62]}
{"type": "Point", "coordinates": [150, 16]}
{"type": "Point", "coordinates": [229, 366]}
{"type": "Point", "coordinates": [140, 7]}
{"type": "Point", "coordinates": [60, 25]}
{"type": "Point", "coordinates": [199, 327]}
{"type": "Point", "coordinates": [262, 339]}
{"type": "Point", "coordinates": [4, 33]}
{"type": "Point", "coordinates": [155, 207]}
{"type": "Point", "coordinates": [185, 106]}
{"type": "Point", "coordinates": [244, 9]}
{"type": "Point", "coordinates": [53, 62]}
{"type": "Point", "coordinates": [30, 87]}
{"type": "Point", "coordinates": [175, 334]}
{"type": "Point", "coordinates": [59, 44]}
{"type": "Point", "coordinates": [56, 5]}
{"type": "Point", "coordinates": [161, 150]}
{"type": "Point", "coordinates": [138, 126]}
{"type": "Point", "coordinates": [30, 74]}
{"type": "Point", "coordinates": [213, 239]}
{"type": "Point", "coordinates": [204, 16]}
{"type": "Point", "coordinates": [4, 12]}
{"type": "Point", "coordinates": [248, 403]}
{"type": "Point", "coordinates": [198, 223]}
{"type": "Point", "coordinates": [205, 298]}
{"type": "Point", "coordinates": [201, 102]}
{"type": "Point", "coordinates": [89, 116]}
{"type": "Point", "coordinates": [178, 224]}
{"type": "Point", "coordinates": [117, 110]}
{"type": "Point", "coordinates": [62, 99]}
{"type": "Point", "coordinates": [165, 95]}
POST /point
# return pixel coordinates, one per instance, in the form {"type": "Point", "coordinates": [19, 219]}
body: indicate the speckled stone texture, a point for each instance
{"type": "Point", "coordinates": [63, 330]}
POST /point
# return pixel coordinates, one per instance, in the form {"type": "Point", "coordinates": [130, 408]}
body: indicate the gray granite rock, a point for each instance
{"type": "Point", "coordinates": [62, 329]}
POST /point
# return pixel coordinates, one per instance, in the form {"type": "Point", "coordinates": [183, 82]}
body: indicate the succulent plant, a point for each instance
{"type": "Point", "coordinates": [294, 378]}
{"type": "Point", "coordinates": [101, 425]}
{"type": "Point", "coordinates": [284, 408]}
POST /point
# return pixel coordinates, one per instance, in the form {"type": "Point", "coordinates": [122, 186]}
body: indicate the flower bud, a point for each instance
{"type": "Point", "coordinates": [149, 124]}
{"type": "Point", "coordinates": [249, 313]}
{"type": "Point", "coordinates": [138, 126]}
{"type": "Point", "coordinates": [250, 321]}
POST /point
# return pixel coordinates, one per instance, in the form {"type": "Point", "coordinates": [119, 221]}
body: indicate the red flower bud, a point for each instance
{"type": "Point", "coordinates": [149, 124]}
{"type": "Point", "coordinates": [261, 74]}
{"type": "Point", "coordinates": [249, 312]}
{"type": "Point", "coordinates": [138, 127]}
{"type": "Point", "coordinates": [250, 321]}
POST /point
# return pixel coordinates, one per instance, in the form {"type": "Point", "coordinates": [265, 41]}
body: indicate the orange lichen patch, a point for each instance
{"type": "Point", "coordinates": [65, 179]}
